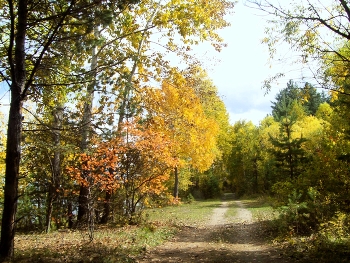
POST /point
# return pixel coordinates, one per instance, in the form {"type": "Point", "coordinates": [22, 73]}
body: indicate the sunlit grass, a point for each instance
{"type": "Point", "coordinates": [231, 212]}
{"type": "Point", "coordinates": [261, 210]}
{"type": "Point", "coordinates": [195, 214]}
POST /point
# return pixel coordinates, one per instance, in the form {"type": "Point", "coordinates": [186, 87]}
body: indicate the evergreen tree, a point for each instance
{"type": "Point", "coordinates": [284, 100]}
{"type": "Point", "coordinates": [312, 99]}
{"type": "Point", "coordinates": [307, 96]}
{"type": "Point", "coordinates": [288, 152]}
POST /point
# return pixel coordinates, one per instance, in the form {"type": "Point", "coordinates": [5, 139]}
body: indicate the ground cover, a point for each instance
{"type": "Point", "coordinates": [112, 243]}
{"type": "Point", "coordinates": [201, 231]}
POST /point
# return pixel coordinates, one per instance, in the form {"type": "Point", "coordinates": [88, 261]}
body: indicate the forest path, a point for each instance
{"type": "Point", "coordinates": [238, 240]}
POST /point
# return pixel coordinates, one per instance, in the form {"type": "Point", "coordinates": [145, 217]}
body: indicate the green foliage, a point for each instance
{"type": "Point", "coordinates": [288, 152]}
{"type": "Point", "coordinates": [303, 213]}
{"type": "Point", "coordinates": [337, 228]}
{"type": "Point", "coordinates": [295, 214]}
{"type": "Point", "coordinates": [281, 191]}
{"type": "Point", "coordinates": [190, 199]}
{"type": "Point", "coordinates": [284, 100]}
{"type": "Point", "coordinates": [209, 185]}
{"type": "Point", "coordinates": [307, 97]}
{"type": "Point", "coordinates": [244, 159]}
{"type": "Point", "coordinates": [329, 244]}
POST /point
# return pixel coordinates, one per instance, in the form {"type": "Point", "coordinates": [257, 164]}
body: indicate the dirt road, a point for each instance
{"type": "Point", "coordinates": [239, 240]}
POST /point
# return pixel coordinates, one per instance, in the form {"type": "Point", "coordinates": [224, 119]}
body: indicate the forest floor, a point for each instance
{"type": "Point", "coordinates": [198, 231]}
{"type": "Point", "coordinates": [240, 239]}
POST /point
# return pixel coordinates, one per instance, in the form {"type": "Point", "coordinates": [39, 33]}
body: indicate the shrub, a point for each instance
{"type": "Point", "coordinates": [281, 191]}
{"type": "Point", "coordinates": [303, 213]}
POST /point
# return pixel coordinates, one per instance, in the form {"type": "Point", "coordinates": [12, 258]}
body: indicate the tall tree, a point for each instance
{"type": "Point", "coordinates": [139, 61]}
{"type": "Point", "coordinates": [307, 96]}
{"type": "Point", "coordinates": [244, 157]}
{"type": "Point", "coordinates": [214, 108]}
{"type": "Point", "coordinates": [288, 152]}
{"type": "Point", "coordinates": [284, 100]}
{"type": "Point", "coordinates": [177, 111]}
{"type": "Point", "coordinates": [30, 30]}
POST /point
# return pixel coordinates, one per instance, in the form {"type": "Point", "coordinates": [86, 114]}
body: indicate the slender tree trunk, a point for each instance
{"type": "Point", "coordinates": [83, 208]}
{"type": "Point", "coordinates": [14, 130]}
{"type": "Point", "coordinates": [70, 214]}
{"type": "Point", "coordinates": [129, 86]}
{"type": "Point", "coordinates": [106, 208]}
{"type": "Point", "coordinates": [176, 184]}
{"type": "Point", "coordinates": [49, 208]}
{"type": "Point", "coordinates": [56, 165]}
{"type": "Point", "coordinates": [256, 184]}
{"type": "Point", "coordinates": [39, 216]}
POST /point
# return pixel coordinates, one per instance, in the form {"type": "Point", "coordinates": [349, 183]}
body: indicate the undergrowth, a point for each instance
{"type": "Point", "coordinates": [330, 243]}
{"type": "Point", "coordinates": [293, 228]}
{"type": "Point", "coordinates": [111, 243]}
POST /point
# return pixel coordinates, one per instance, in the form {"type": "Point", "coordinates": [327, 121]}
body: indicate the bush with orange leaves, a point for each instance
{"type": "Point", "coordinates": [137, 162]}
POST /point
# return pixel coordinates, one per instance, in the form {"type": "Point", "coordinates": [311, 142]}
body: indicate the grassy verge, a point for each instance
{"type": "Point", "coordinates": [261, 209]}
{"type": "Point", "coordinates": [194, 214]}
{"type": "Point", "coordinates": [110, 244]}
{"type": "Point", "coordinates": [231, 212]}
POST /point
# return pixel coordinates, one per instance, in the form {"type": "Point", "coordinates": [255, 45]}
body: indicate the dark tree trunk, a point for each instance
{"type": "Point", "coordinates": [176, 184]}
{"type": "Point", "coordinates": [50, 199]}
{"type": "Point", "coordinates": [13, 156]}
{"type": "Point", "coordinates": [14, 129]}
{"type": "Point", "coordinates": [70, 214]}
{"type": "Point", "coordinates": [83, 207]}
{"type": "Point", "coordinates": [106, 208]}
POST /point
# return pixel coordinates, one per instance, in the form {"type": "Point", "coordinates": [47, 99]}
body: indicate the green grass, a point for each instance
{"type": "Point", "coordinates": [194, 214]}
{"type": "Point", "coordinates": [261, 210]}
{"type": "Point", "coordinates": [231, 212]}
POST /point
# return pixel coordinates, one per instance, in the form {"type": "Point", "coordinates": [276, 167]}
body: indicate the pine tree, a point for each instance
{"type": "Point", "coordinates": [288, 152]}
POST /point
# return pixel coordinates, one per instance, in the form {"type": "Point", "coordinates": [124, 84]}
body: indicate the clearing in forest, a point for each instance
{"type": "Point", "coordinates": [236, 238]}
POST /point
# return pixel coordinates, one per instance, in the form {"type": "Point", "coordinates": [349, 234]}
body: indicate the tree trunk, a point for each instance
{"type": "Point", "coordinates": [106, 208]}
{"type": "Point", "coordinates": [13, 156]}
{"type": "Point", "coordinates": [83, 207]}
{"type": "Point", "coordinates": [56, 165]}
{"type": "Point", "coordinates": [50, 199]}
{"type": "Point", "coordinates": [70, 214]}
{"type": "Point", "coordinates": [14, 130]}
{"type": "Point", "coordinates": [256, 173]}
{"type": "Point", "coordinates": [176, 184]}
{"type": "Point", "coordinates": [86, 132]}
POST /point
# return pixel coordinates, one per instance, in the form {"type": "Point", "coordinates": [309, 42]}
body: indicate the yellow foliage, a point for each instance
{"type": "Point", "coordinates": [338, 69]}
{"type": "Point", "coordinates": [177, 111]}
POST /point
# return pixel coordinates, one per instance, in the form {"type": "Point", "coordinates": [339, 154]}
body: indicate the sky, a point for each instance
{"type": "Point", "coordinates": [242, 66]}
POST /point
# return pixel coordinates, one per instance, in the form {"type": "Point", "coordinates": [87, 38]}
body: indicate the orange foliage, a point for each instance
{"type": "Point", "coordinates": [140, 157]}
